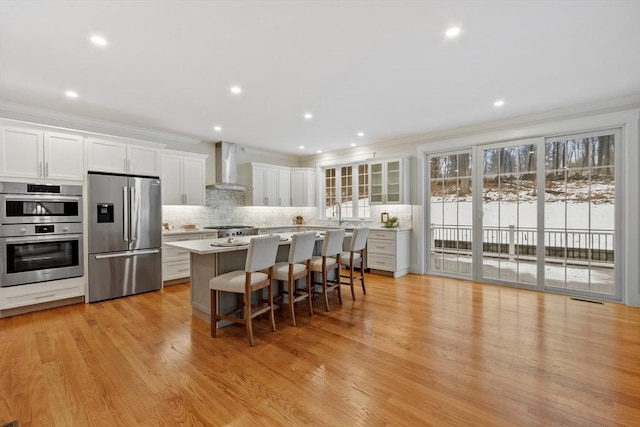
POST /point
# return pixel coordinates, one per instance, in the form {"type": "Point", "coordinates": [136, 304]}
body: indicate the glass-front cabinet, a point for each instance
{"type": "Point", "coordinates": [389, 181]}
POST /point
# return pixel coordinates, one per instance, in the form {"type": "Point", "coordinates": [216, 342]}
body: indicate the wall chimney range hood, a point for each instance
{"type": "Point", "coordinates": [226, 168]}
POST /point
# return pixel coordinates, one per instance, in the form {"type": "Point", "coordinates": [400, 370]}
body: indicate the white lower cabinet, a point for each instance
{"type": "Point", "coordinates": [38, 293]}
{"type": "Point", "coordinates": [176, 263]}
{"type": "Point", "coordinates": [388, 252]}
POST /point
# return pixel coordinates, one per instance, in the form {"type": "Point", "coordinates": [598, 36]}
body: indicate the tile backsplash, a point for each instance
{"type": "Point", "coordinates": [225, 207]}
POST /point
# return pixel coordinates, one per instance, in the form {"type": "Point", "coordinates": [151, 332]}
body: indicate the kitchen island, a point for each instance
{"type": "Point", "coordinates": [208, 261]}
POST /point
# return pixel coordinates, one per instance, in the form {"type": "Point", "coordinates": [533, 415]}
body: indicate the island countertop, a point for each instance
{"type": "Point", "coordinates": [207, 246]}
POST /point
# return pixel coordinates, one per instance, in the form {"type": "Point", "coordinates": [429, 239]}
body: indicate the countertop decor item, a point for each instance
{"type": "Point", "coordinates": [392, 222]}
{"type": "Point", "coordinates": [298, 220]}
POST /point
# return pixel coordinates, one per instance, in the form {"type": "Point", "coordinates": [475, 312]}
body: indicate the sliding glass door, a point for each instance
{"type": "Point", "coordinates": [545, 216]}
{"type": "Point", "coordinates": [509, 213]}
{"type": "Point", "coordinates": [579, 218]}
{"type": "Point", "coordinates": [450, 204]}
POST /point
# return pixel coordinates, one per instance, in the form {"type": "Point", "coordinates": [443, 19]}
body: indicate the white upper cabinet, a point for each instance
{"type": "Point", "coordinates": [389, 181]}
{"type": "Point", "coordinates": [183, 178]}
{"type": "Point", "coordinates": [284, 187]}
{"type": "Point", "coordinates": [271, 184]}
{"type": "Point", "coordinates": [32, 153]}
{"type": "Point", "coordinates": [105, 155]}
{"type": "Point", "coordinates": [303, 187]}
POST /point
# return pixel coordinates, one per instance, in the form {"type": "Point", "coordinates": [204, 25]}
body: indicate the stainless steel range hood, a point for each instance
{"type": "Point", "coordinates": [226, 168]}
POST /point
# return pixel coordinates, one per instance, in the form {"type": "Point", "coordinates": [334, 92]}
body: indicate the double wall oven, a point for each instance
{"type": "Point", "coordinates": [40, 233]}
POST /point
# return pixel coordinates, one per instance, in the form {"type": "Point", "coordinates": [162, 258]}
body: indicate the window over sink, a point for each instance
{"type": "Point", "coordinates": [349, 186]}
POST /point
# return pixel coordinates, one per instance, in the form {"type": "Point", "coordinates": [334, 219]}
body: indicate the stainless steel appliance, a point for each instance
{"type": "Point", "coordinates": [22, 203]}
{"type": "Point", "coordinates": [40, 233]}
{"type": "Point", "coordinates": [34, 253]}
{"type": "Point", "coordinates": [124, 235]}
{"type": "Point", "coordinates": [233, 230]}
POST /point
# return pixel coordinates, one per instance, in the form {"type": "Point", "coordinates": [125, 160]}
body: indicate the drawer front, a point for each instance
{"type": "Point", "coordinates": [382, 235]}
{"type": "Point", "coordinates": [377, 246]}
{"type": "Point", "coordinates": [182, 237]}
{"type": "Point", "coordinates": [175, 270]}
{"type": "Point", "coordinates": [169, 253]}
{"type": "Point", "coordinates": [39, 293]}
{"type": "Point", "coordinates": [381, 262]}
{"type": "Point", "coordinates": [210, 235]}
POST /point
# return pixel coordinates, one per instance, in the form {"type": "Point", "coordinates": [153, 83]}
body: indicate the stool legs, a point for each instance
{"type": "Point", "coordinates": [214, 313]}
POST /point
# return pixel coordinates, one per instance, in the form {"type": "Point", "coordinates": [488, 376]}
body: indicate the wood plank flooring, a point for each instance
{"type": "Point", "coordinates": [419, 350]}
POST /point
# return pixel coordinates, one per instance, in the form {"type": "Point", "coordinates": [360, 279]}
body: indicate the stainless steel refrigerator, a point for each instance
{"type": "Point", "coordinates": [124, 234]}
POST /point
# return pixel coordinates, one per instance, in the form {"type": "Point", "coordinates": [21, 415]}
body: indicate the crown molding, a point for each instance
{"type": "Point", "coordinates": [629, 102]}
{"type": "Point", "coordinates": [13, 111]}
{"type": "Point", "coordinates": [607, 106]}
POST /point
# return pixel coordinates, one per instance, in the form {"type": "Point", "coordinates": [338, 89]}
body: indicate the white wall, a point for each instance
{"type": "Point", "coordinates": [619, 113]}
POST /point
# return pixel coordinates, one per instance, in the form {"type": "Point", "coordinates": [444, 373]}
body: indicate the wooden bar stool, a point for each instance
{"type": "Point", "coordinates": [354, 256]}
{"type": "Point", "coordinates": [329, 261]}
{"type": "Point", "coordinates": [261, 255]}
{"type": "Point", "coordinates": [297, 267]}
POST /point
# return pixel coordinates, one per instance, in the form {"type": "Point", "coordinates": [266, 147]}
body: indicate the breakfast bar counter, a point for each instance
{"type": "Point", "coordinates": [209, 259]}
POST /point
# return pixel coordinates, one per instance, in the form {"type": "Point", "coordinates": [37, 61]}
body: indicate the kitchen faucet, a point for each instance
{"type": "Point", "coordinates": [339, 212]}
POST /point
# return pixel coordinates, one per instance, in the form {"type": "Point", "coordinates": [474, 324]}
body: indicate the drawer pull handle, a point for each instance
{"type": "Point", "coordinates": [183, 269]}
{"type": "Point", "coordinates": [45, 296]}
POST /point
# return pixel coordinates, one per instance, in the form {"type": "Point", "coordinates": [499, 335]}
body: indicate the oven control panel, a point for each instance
{"type": "Point", "coordinates": [45, 229]}
{"type": "Point", "coordinates": [13, 230]}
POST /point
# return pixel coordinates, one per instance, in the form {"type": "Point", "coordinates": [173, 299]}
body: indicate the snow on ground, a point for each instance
{"type": "Point", "coordinates": [598, 279]}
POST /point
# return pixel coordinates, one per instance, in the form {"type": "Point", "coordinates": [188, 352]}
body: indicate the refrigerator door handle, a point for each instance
{"type": "Point", "coordinates": [125, 217]}
{"type": "Point", "coordinates": [134, 214]}
{"type": "Point", "coordinates": [128, 254]}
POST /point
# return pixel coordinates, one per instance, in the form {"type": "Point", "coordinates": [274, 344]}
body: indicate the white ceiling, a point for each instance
{"type": "Point", "coordinates": [381, 67]}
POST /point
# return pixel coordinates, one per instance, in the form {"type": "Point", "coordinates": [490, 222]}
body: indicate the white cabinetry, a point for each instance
{"type": "Point", "coordinates": [388, 252]}
{"type": "Point", "coordinates": [389, 181]}
{"type": "Point", "coordinates": [303, 187]}
{"type": "Point", "coordinates": [38, 293]}
{"type": "Point", "coordinates": [33, 153]}
{"type": "Point", "coordinates": [271, 184]}
{"type": "Point", "coordinates": [105, 155]}
{"type": "Point", "coordinates": [183, 178]}
{"type": "Point", "coordinates": [176, 263]}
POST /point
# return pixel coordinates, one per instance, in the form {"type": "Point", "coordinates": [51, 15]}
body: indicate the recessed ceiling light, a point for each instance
{"type": "Point", "coordinates": [308, 116]}
{"type": "Point", "coordinates": [353, 144]}
{"type": "Point", "coordinates": [98, 40]}
{"type": "Point", "coordinates": [301, 147]}
{"type": "Point", "coordinates": [236, 90]}
{"type": "Point", "coordinates": [217, 128]}
{"type": "Point", "coordinates": [361, 134]}
{"type": "Point", "coordinates": [498, 103]}
{"type": "Point", "coordinates": [71, 94]}
{"type": "Point", "coordinates": [319, 151]}
{"type": "Point", "coordinates": [453, 32]}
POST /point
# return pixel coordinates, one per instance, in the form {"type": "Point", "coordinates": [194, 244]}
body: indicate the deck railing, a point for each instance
{"type": "Point", "coordinates": [589, 245]}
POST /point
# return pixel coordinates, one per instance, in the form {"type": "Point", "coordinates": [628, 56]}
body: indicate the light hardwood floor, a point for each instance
{"type": "Point", "coordinates": [419, 350]}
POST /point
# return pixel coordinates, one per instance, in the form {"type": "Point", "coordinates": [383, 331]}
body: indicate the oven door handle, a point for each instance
{"type": "Point", "coordinates": [42, 197]}
{"type": "Point", "coordinates": [128, 254]}
{"type": "Point", "coordinates": [39, 239]}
